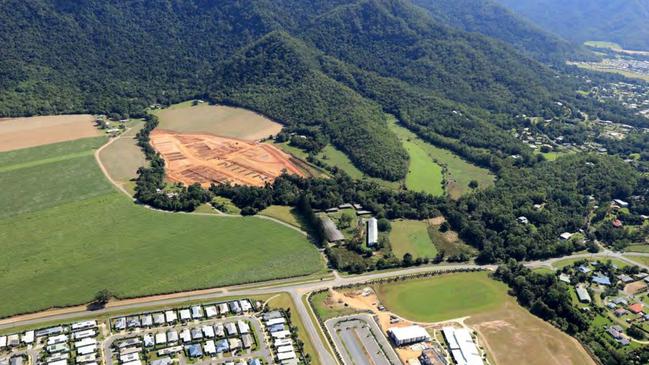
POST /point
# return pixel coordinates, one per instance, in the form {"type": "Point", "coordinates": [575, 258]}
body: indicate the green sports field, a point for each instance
{"type": "Point", "coordinates": [443, 297]}
{"type": "Point", "coordinates": [68, 244]}
{"type": "Point", "coordinates": [410, 236]}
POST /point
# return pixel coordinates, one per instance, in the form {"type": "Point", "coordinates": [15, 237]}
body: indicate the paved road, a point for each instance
{"type": "Point", "coordinates": [358, 337]}
{"type": "Point", "coordinates": [296, 290]}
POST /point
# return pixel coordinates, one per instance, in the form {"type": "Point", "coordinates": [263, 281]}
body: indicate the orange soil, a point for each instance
{"type": "Point", "coordinates": [17, 133]}
{"type": "Point", "coordinates": [205, 159]}
{"type": "Point", "coordinates": [635, 287]}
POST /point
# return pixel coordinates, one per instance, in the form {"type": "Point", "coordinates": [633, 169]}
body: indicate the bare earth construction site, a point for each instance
{"type": "Point", "coordinates": [205, 159]}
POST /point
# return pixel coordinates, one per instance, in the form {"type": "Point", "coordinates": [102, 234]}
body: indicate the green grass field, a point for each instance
{"type": "Point", "coordinates": [637, 248]}
{"type": "Point", "coordinates": [458, 171]}
{"type": "Point", "coordinates": [335, 157]}
{"type": "Point", "coordinates": [410, 236]}
{"type": "Point", "coordinates": [326, 308]}
{"type": "Point", "coordinates": [46, 176]}
{"type": "Point", "coordinates": [285, 214]}
{"type": "Point", "coordinates": [443, 297]}
{"type": "Point", "coordinates": [81, 236]}
{"type": "Point", "coordinates": [424, 175]}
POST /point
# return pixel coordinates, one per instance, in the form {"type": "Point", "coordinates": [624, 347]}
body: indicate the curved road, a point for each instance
{"type": "Point", "coordinates": [296, 290]}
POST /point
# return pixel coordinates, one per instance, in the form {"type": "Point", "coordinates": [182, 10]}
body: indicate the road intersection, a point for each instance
{"type": "Point", "coordinates": [296, 290]}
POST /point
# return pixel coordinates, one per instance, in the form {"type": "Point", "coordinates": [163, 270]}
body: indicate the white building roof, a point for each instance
{"type": "Point", "coordinates": [28, 337]}
{"type": "Point", "coordinates": [209, 347]}
{"type": "Point", "coordinates": [85, 342]}
{"type": "Point", "coordinates": [83, 325]}
{"type": "Point", "coordinates": [286, 355]}
{"type": "Point", "coordinates": [57, 339]}
{"type": "Point", "coordinates": [160, 338]}
{"type": "Point", "coordinates": [185, 314]}
{"type": "Point", "coordinates": [208, 331]}
{"type": "Point", "coordinates": [275, 321]}
{"type": "Point", "coordinates": [171, 316]}
{"type": "Point", "coordinates": [282, 342]}
{"type": "Point", "coordinates": [286, 348]}
{"type": "Point", "coordinates": [83, 334]}
{"type": "Point", "coordinates": [281, 334]}
{"type": "Point", "coordinates": [405, 334]}
{"type": "Point", "coordinates": [3, 341]}
{"type": "Point", "coordinates": [243, 327]}
{"type": "Point", "coordinates": [58, 362]}
{"type": "Point", "coordinates": [85, 350]}
{"type": "Point", "coordinates": [211, 311]}
{"type": "Point", "coordinates": [129, 357]}
{"type": "Point", "coordinates": [372, 232]}
{"type": "Point", "coordinates": [136, 362]}
{"type": "Point", "coordinates": [245, 305]}
{"type": "Point", "coordinates": [463, 349]}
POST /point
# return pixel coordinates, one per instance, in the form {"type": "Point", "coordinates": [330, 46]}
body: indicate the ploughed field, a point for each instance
{"type": "Point", "coordinates": [206, 159]}
{"type": "Point", "coordinates": [17, 133]}
{"type": "Point", "coordinates": [66, 233]}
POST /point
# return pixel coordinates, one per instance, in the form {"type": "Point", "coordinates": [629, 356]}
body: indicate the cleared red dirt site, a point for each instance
{"type": "Point", "coordinates": [205, 159]}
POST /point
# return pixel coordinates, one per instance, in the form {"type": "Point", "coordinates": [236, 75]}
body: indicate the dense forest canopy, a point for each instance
{"type": "Point", "coordinates": [494, 20]}
{"type": "Point", "coordinates": [332, 66]}
{"type": "Point", "coordinates": [621, 21]}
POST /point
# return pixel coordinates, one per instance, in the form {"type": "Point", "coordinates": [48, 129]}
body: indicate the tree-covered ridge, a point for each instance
{"type": "Point", "coordinates": [278, 71]}
{"type": "Point", "coordinates": [623, 22]}
{"type": "Point", "coordinates": [494, 20]}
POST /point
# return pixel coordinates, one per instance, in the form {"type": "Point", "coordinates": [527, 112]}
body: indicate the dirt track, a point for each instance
{"type": "Point", "coordinates": [205, 159]}
{"type": "Point", "coordinates": [17, 133]}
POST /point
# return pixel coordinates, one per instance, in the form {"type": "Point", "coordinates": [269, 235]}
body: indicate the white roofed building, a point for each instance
{"type": "Point", "coordinates": [372, 232]}
{"type": "Point", "coordinates": [408, 335]}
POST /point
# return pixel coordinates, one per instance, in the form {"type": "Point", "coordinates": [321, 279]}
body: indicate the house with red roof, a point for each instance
{"type": "Point", "coordinates": [636, 308]}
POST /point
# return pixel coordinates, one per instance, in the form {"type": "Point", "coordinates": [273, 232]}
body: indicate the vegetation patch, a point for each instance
{"type": "Point", "coordinates": [442, 297]}
{"type": "Point", "coordinates": [326, 307]}
{"type": "Point", "coordinates": [457, 173]}
{"type": "Point", "coordinates": [80, 236]}
{"type": "Point", "coordinates": [411, 236]}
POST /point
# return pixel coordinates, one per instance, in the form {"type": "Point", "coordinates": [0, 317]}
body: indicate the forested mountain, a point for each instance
{"type": "Point", "coordinates": [625, 22]}
{"type": "Point", "coordinates": [329, 68]}
{"type": "Point", "coordinates": [496, 21]}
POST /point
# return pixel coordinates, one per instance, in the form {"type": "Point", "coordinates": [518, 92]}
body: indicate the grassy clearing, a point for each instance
{"type": "Point", "coordinates": [568, 262]}
{"type": "Point", "coordinates": [71, 234]}
{"type": "Point", "coordinates": [225, 205]}
{"type": "Point", "coordinates": [285, 214]}
{"type": "Point", "coordinates": [423, 174]}
{"type": "Point", "coordinates": [639, 259]}
{"type": "Point", "coordinates": [629, 74]}
{"type": "Point", "coordinates": [123, 157]}
{"type": "Point", "coordinates": [443, 297]}
{"type": "Point", "coordinates": [218, 119]}
{"type": "Point", "coordinates": [334, 157]}
{"type": "Point", "coordinates": [543, 270]}
{"type": "Point", "coordinates": [325, 307]}
{"type": "Point", "coordinates": [458, 172]}
{"type": "Point", "coordinates": [410, 236]}
{"type": "Point", "coordinates": [34, 155]}
{"type": "Point", "coordinates": [637, 248]}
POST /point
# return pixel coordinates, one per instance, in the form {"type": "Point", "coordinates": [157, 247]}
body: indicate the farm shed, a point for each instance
{"type": "Point", "coordinates": [331, 232]}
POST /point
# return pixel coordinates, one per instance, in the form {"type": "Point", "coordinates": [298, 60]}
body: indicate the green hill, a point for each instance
{"type": "Point", "coordinates": [623, 22]}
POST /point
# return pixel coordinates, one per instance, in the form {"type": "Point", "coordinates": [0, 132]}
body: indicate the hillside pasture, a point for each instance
{"type": "Point", "coordinates": [124, 157]}
{"type": "Point", "coordinates": [457, 172]}
{"type": "Point", "coordinates": [66, 233]}
{"type": "Point", "coordinates": [17, 133]}
{"type": "Point", "coordinates": [335, 157]}
{"type": "Point", "coordinates": [221, 120]}
{"type": "Point", "coordinates": [410, 236]}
